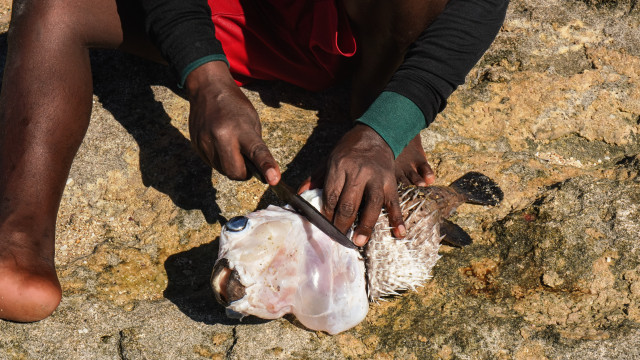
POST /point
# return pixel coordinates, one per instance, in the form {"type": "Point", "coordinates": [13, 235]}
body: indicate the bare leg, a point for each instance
{"type": "Point", "coordinates": [384, 31]}
{"type": "Point", "coordinates": [45, 107]}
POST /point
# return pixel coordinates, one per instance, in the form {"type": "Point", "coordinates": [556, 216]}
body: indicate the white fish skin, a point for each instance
{"type": "Point", "coordinates": [286, 265]}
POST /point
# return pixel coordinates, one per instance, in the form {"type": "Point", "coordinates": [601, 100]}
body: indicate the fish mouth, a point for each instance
{"type": "Point", "coordinates": [226, 284]}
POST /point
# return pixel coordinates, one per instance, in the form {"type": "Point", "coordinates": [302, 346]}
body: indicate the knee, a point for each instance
{"type": "Point", "coordinates": [44, 21]}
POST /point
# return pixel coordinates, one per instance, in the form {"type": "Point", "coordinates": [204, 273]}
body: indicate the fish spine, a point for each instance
{"type": "Point", "coordinates": [404, 264]}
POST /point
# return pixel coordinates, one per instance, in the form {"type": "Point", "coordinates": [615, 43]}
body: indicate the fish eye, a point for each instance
{"type": "Point", "coordinates": [237, 223]}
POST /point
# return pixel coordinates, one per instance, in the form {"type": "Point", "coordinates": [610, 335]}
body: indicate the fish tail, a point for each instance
{"type": "Point", "coordinates": [478, 189]}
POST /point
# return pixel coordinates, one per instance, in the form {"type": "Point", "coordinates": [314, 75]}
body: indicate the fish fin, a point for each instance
{"type": "Point", "coordinates": [478, 189]}
{"type": "Point", "coordinates": [454, 235]}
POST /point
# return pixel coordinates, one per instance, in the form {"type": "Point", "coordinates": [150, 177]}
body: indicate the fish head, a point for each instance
{"type": "Point", "coordinates": [273, 261]}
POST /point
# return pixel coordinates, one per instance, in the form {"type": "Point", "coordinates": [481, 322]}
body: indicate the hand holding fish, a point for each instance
{"type": "Point", "coordinates": [224, 126]}
{"type": "Point", "coordinates": [360, 171]}
{"type": "Point", "coordinates": [412, 167]}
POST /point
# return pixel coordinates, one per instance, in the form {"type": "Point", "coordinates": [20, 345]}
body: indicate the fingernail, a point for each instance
{"type": "Point", "coordinates": [421, 183]}
{"type": "Point", "coordinates": [402, 231]}
{"type": "Point", "coordinates": [272, 176]}
{"type": "Point", "coordinates": [360, 240]}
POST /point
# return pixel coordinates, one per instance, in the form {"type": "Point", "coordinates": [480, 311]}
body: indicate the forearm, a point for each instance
{"type": "Point", "coordinates": [435, 65]}
{"type": "Point", "coordinates": [184, 33]}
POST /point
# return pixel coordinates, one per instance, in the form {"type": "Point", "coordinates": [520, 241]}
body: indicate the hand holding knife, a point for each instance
{"type": "Point", "coordinates": [288, 195]}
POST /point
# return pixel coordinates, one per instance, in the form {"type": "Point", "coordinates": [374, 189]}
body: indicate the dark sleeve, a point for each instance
{"type": "Point", "coordinates": [184, 33]}
{"type": "Point", "coordinates": [438, 62]}
{"type": "Point", "coordinates": [435, 65]}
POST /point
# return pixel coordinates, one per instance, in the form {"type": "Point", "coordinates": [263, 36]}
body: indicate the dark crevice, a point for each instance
{"type": "Point", "coordinates": [121, 346]}
{"type": "Point", "coordinates": [235, 341]}
{"type": "Point", "coordinates": [592, 63]}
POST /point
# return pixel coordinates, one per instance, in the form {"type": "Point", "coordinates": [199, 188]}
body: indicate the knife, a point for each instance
{"type": "Point", "coordinates": [288, 195]}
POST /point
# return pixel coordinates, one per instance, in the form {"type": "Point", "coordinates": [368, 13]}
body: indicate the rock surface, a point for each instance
{"type": "Point", "coordinates": [552, 113]}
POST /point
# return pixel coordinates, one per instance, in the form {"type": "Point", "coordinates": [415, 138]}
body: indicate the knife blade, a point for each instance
{"type": "Point", "coordinates": [315, 217]}
{"type": "Point", "coordinates": [286, 193]}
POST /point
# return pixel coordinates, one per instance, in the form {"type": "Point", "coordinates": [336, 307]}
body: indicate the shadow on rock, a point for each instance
{"type": "Point", "coordinates": [167, 160]}
{"type": "Point", "coordinates": [189, 288]}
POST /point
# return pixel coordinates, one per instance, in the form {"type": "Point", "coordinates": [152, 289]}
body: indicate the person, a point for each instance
{"type": "Point", "coordinates": [404, 59]}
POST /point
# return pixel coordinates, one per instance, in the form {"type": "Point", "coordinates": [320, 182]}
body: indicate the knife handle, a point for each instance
{"type": "Point", "coordinates": [282, 190]}
{"type": "Point", "coordinates": [252, 170]}
{"type": "Point", "coordinates": [283, 194]}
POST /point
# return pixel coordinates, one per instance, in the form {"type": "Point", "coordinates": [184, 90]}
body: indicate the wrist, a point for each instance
{"type": "Point", "coordinates": [211, 75]}
{"type": "Point", "coordinates": [373, 139]}
{"type": "Point", "coordinates": [395, 118]}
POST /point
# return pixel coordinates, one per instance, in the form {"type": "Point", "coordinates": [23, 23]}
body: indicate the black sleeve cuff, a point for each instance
{"type": "Point", "coordinates": [438, 62]}
{"type": "Point", "coordinates": [182, 30]}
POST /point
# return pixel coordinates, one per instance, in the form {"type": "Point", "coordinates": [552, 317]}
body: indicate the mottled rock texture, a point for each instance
{"type": "Point", "coordinates": [552, 113]}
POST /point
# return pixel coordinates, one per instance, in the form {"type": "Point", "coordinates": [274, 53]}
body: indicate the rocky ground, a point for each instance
{"type": "Point", "coordinates": [552, 113]}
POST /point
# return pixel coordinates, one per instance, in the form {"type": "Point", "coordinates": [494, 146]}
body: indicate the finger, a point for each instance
{"type": "Point", "coordinates": [347, 208]}
{"type": "Point", "coordinates": [369, 213]}
{"type": "Point", "coordinates": [216, 163]}
{"type": "Point", "coordinates": [199, 148]}
{"type": "Point", "coordinates": [210, 157]}
{"type": "Point", "coordinates": [415, 178]}
{"type": "Point", "coordinates": [202, 148]}
{"type": "Point", "coordinates": [392, 205]}
{"type": "Point", "coordinates": [305, 186]}
{"type": "Point", "coordinates": [401, 178]}
{"type": "Point", "coordinates": [333, 184]}
{"type": "Point", "coordinates": [260, 156]}
{"type": "Point", "coordinates": [315, 181]}
{"type": "Point", "coordinates": [231, 161]}
{"type": "Point", "coordinates": [427, 173]}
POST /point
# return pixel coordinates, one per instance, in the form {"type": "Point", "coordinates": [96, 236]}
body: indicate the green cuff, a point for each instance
{"type": "Point", "coordinates": [187, 70]}
{"type": "Point", "coordinates": [394, 117]}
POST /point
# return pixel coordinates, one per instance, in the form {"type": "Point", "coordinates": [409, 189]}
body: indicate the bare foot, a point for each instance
{"type": "Point", "coordinates": [29, 288]}
{"type": "Point", "coordinates": [412, 167]}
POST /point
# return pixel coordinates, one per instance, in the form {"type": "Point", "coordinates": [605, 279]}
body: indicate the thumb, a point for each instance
{"type": "Point", "coordinates": [266, 166]}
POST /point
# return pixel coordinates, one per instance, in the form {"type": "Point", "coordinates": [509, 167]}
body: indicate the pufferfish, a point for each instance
{"type": "Point", "coordinates": [274, 262]}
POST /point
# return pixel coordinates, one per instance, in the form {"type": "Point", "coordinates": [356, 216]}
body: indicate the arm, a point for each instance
{"type": "Point", "coordinates": [224, 126]}
{"type": "Point", "coordinates": [435, 65]}
{"type": "Point", "coordinates": [183, 32]}
{"type": "Point", "coordinates": [360, 172]}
